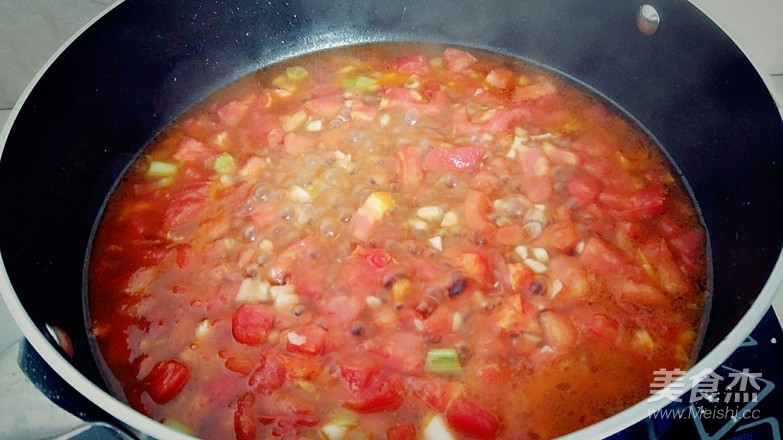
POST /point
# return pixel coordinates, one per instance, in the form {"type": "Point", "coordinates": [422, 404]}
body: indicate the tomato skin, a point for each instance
{"type": "Point", "coordinates": [245, 418]}
{"type": "Point", "coordinates": [232, 112]}
{"type": "Point", "coordinates": [250, 323]}
{"type": "Point", "coordinates": [401, 432]}
{"type": "Point", "coordinates": [562, 235]}
{"type": "Point", "coordinates": [409, 166]}
{"type": "Point", "coordinates": [434, 391]}
{"type": "Point", "coordinates": [458, 158]}
{"type": "Point", "coordinates": [414, 64]}
{"type": "Point", "coordinates": [477, 208]}
{"type": "Point", "coordinates": [326, 107]}
{"type": "Point", "coordinates": [184, 205]}
{"type": "Point", "coordinates": [647, 202]}
{"type": "Point", "coordinates": [379, 395]}
{"type": "Point", "coordinates": [468, 417]}
{"type": "Point", "coordinates": [359, 371]}
{"type": "Point", "coordinates": [536, 175]}
{"type": "Point", "coordinates": [269, 376]}
{"type": "Point", "coordinates": [476, 266]}
{"type": "Point", "coordinates": [602, 258]}
{"type": "Point", "coordinates": [584, 188]}
{"type": "Point", "coordinates": [166, 379]}
{"type": "Point", "coordinates": [457, 60]}
{"type": "Point", "coordinates": [191, 150]}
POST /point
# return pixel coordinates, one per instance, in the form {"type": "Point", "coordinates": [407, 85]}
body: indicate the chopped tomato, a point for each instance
{"type": "Point", "coordinates": [670, 275]}
{"type": "Point", "coordinates": [326, 107]}
{"type": "Point", "coordinates": [559, 332]}
{"type": "Point", "coordinates": [536, 175]}
{"type": "Point", "coordinates": [401, 432]}
{"type": "Point", "coordinates": [358, 371]}
{"type": "Point", "coordinates": [533, 91]}
{"type": "Point", "coordinates": [584, 188]}
{"type": "Point", "coordinates": [232, 112]}
{"type": "Point", "coordinates": [477, 210]}
{"type": "Point", "coordinates": [250, 323]}
{"type": "Point", "coordinates": [360, 276]}
{"type": "Point", "coordinates": [434, 391]}
{"type": "Point", "coordinates": [633, 292]}
{"type": "Point", "coordinates": [601, 257]}
{"type": "Point", "coordinates": [562, 235]}
{"type": "Point", "coordinates": [476, 266]}
{"type": "Point", "coordinates": [245, 418]}
{"type": "Point", "coordinates": [598, 326]}
{"type": "Point", "coordinates": [377, 257]}
{"type": "Point", "coordinates": [307, 339]}
{"type": "Point", "coordinates": [456, 158]}
{"type": "Point", "coordinates": [345, 309]}
{"type": "Point", "coordinates": [467, 417]}
{"type": "Point", "coordinates": [166, 379]}
{"type": "Point", "coordinates": [379, 395]}
{"type": "Point", "coordinates": [268, 376]}
{"type": "Point", "coordinates": [457, 60]}
{"type": "Point", "coordinates": [414, 64]}
{"type": "Point", "coordinates": [301, 367]}
{"type": "Point", "coordinates": [296, 144]}
{"type": "Point", "coordinates": [500, 78]}
{"type": "Point", "coordinates": [409, 164]}
{"type": "Point", "coordinates": [184, 205]}
{"type": "Point", "coordinates": [689, 245]}
{"type": "Point", "coordinates": [308, 274]}
{"type": "Point", "coordinates": [649, 201]}
{"type": "Point", "coordinates": [240, 365]}
{"type": "Point", "coordinates": [191, 150]}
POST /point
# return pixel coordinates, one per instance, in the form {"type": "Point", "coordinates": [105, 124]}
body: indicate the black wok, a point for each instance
{"type": "Point", "coordinates": [143, 63]}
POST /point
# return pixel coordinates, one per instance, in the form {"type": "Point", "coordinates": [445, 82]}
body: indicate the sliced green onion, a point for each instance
{"type": "Point", "coordinates": [363, 83]}
{"type": "Point", "coordinates": [366, 83]}
{"type": "Point", "coordinates": [296, 73]}
{"type": "Point", "coordinates": [443, 361]}
{"type": "Point", "coordinates": [224, 163]}
{"type": "Point", "coordinates": [161, 169]}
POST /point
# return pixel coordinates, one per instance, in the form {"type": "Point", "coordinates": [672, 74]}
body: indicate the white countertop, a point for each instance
{"type": "Point", "coordinates": [32, 30]}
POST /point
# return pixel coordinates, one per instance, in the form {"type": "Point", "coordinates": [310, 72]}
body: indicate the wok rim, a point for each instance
{"type": "Point", "coordinates": [149, 427]}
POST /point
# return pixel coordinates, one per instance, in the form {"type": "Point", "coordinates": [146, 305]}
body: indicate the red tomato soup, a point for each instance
{"type": "Point", "coordinates": [364, 244]}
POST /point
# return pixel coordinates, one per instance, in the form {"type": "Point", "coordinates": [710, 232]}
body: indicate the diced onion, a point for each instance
{"type": "Point", "coordinates": [314, 125]}
{"type": "Point", "coordinates": [436, 242]}
{"type": "Point", "coordinates": [540, 254]}
{"type": "Point", "coordinates": [557, 286]}
{"type": "Point", "coordinates": [373, 301]}
{"type": "Point", "coordinates": [449, 219]}
{"type": "Point", "coordinates": [522, 251]}
{"type": "Point", "coordinates": [284, 296]}
{"type": "Point", "coordinates": [295, 338]}
{"type": "Point", "coordinates": [203, 329]}
{"type": "Point", "coordinates": [298, 194]}
{"type": "Point", "coordinates": [436, 429]}
{"type": "Point", "coordinates": [456, 321]}
{"type": "Point", "coordinates": [430, 213]}
{"type": "Point", "coordinates": [253, 290]}
{"type": "Point", "coordinates": [161, 169]}
{"type": "Point", "coordinates": [535, 265]}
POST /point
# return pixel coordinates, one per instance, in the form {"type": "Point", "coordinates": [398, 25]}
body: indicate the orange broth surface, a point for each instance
{"type": "Point", "coordinates": [396, 244]}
